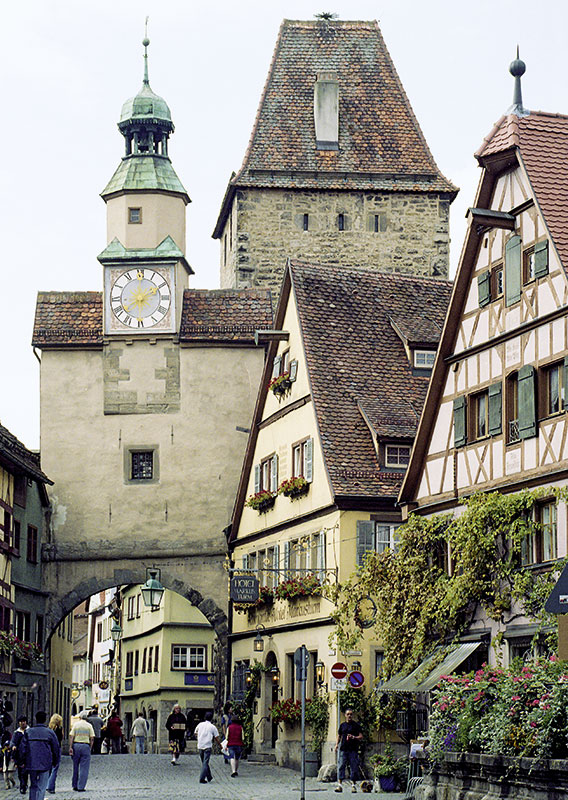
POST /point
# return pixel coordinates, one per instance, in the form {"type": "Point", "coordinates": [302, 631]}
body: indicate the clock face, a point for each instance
{"type": "Point", "coordinates": [140, 298]}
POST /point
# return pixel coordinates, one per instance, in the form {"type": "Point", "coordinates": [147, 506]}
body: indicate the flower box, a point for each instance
{"type": "Point", "coordinates": [298, 587]}
{"type": "Point", "coordinates": [280, 384]}
{"type": "Point", "coordinates": [261, 501]}
{"type": "Point", "coordinates": [294, 487]}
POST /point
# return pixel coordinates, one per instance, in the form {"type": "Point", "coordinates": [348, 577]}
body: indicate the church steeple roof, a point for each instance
{"type": "Point", "coordinates": [146, 124]}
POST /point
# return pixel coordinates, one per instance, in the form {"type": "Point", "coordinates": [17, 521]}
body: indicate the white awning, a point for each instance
{"type": "Point", "coordinates": [428, 673]}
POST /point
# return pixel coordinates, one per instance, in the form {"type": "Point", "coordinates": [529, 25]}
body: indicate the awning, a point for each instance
{"type": "Point", "coordinates": [426, 676]}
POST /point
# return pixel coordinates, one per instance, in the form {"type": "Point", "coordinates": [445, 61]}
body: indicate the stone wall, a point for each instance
{"type": "Point", "coordinates": [397, 232]}
{"type": "Point", "coordinates": [467, 776]}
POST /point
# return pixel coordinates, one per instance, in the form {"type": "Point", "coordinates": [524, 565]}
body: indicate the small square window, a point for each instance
{"type": "Point", "coordinates": [424, 359]}
{"type": "Point", "coordinates": [397, 455]}
{"type": "Point", "coordinates": [497, 282]}
{"type": "Point", "coordinates": [142, 466]}
{"type": "Point", "coordinates": [135, 216]}
{"type": "Point", "coordinates": [528, 265]}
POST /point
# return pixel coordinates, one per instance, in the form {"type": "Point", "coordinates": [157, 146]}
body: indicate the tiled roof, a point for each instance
{"type": "Point", "coordinates": [356, 360]}
{"type": "Point", "coordinates": [416, 328]}
{"type": "Point", "coordinates": [381, 145]}
{"type": "Point", "coordinates": [17, 455]}
{"type": "Point", "coordinates": [227, 315]}
{"type": "Point", "coordinates": [542, 140]}
{"type": "Point", "coordinates": [143, 173]}
{"type": "Point", "coordinates": [66, 319]}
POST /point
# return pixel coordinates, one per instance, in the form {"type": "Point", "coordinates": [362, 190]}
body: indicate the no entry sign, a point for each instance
{"type": "Point", "coordinates": [339, 670]}
{"type": "Point", "coordinates": [356, 679]}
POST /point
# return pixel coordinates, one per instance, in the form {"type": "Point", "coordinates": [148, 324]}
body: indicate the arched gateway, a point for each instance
{"type": "Point", "coordinates": [147, 393]}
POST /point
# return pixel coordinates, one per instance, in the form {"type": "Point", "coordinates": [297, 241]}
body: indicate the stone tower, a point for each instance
{"type": "Point", "coordinates": [337, 170]}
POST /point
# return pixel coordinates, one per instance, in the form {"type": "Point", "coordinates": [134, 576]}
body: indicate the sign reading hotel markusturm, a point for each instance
{"type": "Point", "coordinates": [244, 589]}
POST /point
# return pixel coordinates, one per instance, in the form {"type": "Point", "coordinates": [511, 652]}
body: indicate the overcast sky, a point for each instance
{"type": "Point", "coordinates": [68, 66]}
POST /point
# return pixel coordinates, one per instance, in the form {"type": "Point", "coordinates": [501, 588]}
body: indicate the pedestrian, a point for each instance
{"type": "Point", "coordinates": [235, 744]}
{"type": "Point", "coordinates": [81, 738]}
{"type": "Point", "coordinates": [205, 733]}
{"type": "Point", "coordinates": [8, 763]}
{"type": "Point", "coordinates": [225, 722]}
{"type": "Point", "coordinates": [139, 733]}
{"type": "Point", "coordinates": [15, 743]}
{"type": "Point", "coordinates": [40, 751]}
{"type": "Point", "coordinates": [114, 732]}
{"type": "Point", "coordinates": [97, 723]}
{"type": "Point", "coordinates": [56, 725]}
{"type": "Point", "coordinates": [349, 738]}
{"type": "Point", "coordinates": [176, 724]}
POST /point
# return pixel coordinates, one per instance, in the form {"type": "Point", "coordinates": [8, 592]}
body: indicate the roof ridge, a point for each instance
{"type": "Point", "coordinates": [316, 265]}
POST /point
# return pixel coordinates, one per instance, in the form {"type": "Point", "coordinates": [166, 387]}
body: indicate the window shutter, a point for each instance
{"type": "Point", "coordinates": [527, 402]}
{"type": "Point", "coordinates": [256, 478]}
{"type": "Point", "coordinates": [276, 366]}
{"type": "Point", "coordinates": [320, 556]}
{"type": "Point", "coordinates": [484, 288]}
{"type": "Point", "coordinates": [274, 473]}
{"type": "Point", "coordinates": [365, 539]}
{"type": "Point", "coordinates": [565, 383]}
{"type": "Point", "coordinates": [276, 564]}
{"type": "Point", "coordinates": [495, 409]}
{"type": "Point", "coordinates": [245, 562]}
{"type": "Point", "coordinates": [286, 560]}
{"type": "Point", "coordinates": [293, 369]}
{"type": "Point", "coordinates": [459, 421]}
{"type": "Point", "coordinates": [513, 271]}
{"type": "Point", "coordinates": [541, 259]}
{"type": "Point", "coordinates": [308, 460]}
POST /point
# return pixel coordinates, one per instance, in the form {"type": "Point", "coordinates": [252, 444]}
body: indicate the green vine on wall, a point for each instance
{"type": "Point", "coordinates": [419, 603]}
{"type": "Point", "coordinates": [245, 709]}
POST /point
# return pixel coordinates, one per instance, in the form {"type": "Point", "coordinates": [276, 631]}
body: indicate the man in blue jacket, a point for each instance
{"type": "Point", "coordinates": [40, 751]}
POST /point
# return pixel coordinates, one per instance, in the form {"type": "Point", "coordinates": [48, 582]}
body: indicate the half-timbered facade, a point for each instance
{"type": "Point", "coordinates": [346, 377]}
{"type": "Point", "coordinates": [495, 415]}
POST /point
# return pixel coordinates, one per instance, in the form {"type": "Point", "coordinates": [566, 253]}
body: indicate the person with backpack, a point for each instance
{"type": "Point", "coordinates": [40, 752]}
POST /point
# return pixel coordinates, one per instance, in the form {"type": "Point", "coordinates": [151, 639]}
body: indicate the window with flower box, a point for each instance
{"type": "Point", "coordinates": [266, 475]}
{"type": "Point", "coordinates": [23, 621]}
{"type": "Point", "coordinates": [302, 459]}
{"type": "Point", "coordinates": [189, 656]}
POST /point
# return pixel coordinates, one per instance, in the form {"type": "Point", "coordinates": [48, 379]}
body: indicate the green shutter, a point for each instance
{"type": "Point", "coordinates": [276, 366]}
{"type": "Point", "coordinates": [565, 384]}
{"type": "Point", "coordinates": [308, 460]}
{"type": "Point", "coordinates": [541, 259]}
{"type": "Point", "coordinates": [256, 478]}
{"type": "Point", "coordinates": [495, 409]}
{"type": "Point", "coordinates": [274, 473]}
{"type": "Point", "coordinates": [484, 288]}
{"type": "Point", "coordinates": [513, 271]}
{"type": "Point", "coordinates": [365, 540]}
{"type": "Point", "coordinates": [459, 421]}
{"type": "Point", "coordinates": [527, 402]}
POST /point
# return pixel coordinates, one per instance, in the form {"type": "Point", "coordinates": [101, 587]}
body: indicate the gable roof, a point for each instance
{"type": "Point", "coordinates": [17, 457]}
{"type": "Point", "coordinates": [538, 142]}
{"type": "Point", "coordinates": [381, 145]}
{"type": "Point", "coordinates": [358, 370]}
{"type": "Point", "coordinates": [75, 319]}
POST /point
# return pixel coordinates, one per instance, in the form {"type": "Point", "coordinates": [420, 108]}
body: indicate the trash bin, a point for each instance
{"type": "Point", "coordinates": [312, 764]}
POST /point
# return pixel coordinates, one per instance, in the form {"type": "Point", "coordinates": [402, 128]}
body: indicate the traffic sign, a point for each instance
{"type": "Point", "coordinates": [338, 684]}
{"type": "Point", "coordinates": [339, 670]}
{"type": "Point", "coordinates": [356, 679]}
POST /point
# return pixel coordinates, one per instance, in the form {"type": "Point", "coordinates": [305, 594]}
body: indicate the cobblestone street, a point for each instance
{"type": "Point", "coordinates": [153, 776]}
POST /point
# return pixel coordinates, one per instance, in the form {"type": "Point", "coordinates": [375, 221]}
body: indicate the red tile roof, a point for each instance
{"type": "Point", "coordinates": [356, 359]}
{"type": "Point", "coordinates": [381, 145]}
{"type": "Point", "coordinates": [75, 319]}
{"type": "Point", "coordinates": [17, 457]}
{"type": "Point", "coordinates": [542, 141]}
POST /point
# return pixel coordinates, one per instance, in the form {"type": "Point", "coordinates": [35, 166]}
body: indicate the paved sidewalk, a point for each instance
{"type": "Point", "coordinates": [153, 777]}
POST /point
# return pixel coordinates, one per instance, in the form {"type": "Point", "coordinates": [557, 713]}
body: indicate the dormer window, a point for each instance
{"type": "Point", "coordinates": [397, 456]}
{"type": "Point", "coordinates": [424, 359]}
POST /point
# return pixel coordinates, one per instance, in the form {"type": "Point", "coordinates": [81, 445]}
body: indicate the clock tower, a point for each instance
{"type": "Point", "coordinates": [145, 270]}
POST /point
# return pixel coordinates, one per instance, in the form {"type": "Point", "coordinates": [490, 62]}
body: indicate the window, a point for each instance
{"type": "Point", "coordinates": [144, 654]}
{"type": "Point", "coordinates": [99, 631]}
{"type": "Point", "coordinates": [7, 527]}
{"type": "Point", "coordinates": [528, 265]}
{"type": "Point", "coordinates": [17, 535]}
{"type": "Point", "coordinates": [136, 661]}
{"type": "Point", "coordinates": [150, 662]}
{"type": "Point", "coordinates": [302, 458]}
{"type": "Point", "coordinates": [32, 544]}
{"type": "Point", "coordinates": [306, 222]}
{"type": "Point", "coordinates": [480, 418]}
{"type": "Point", "coordinates": [129, 664]}
{"type": "Point", "coordinates": [39, 630]}
{"type": "Point", "coordinates": [497, 282]}
{"type": "Point", "coordinates": [20, 490]}
{"type": "Point", "coordinates": [130, 608]}
{"type": "Point", "coordinates": [424, 359]}
{"type": "Point", "coordinates": [341, 222]}
{"type": "Point", "coordinates": [189, 656]}
{"type": "Point", "coordinates": [379, 658]}
{"type": "Point", "coordinates": [542, 545]}
{"type": "Point", "coordinates": [265, 474]}
{"type": "Point", "coordinates": [553, 381]}
{"type": "Point", "coordinates": [397, 455]}
{"type": "Point", "coordinates": [157, 658]}
{"type": "Point", "coordinates": [379, 223]}
{"type": "Point", "coordinates": [138, 599]}
{"type": "Point", "coordinates": [239, 686]}
{"type": "Point", "coordinates": [375, 536]}
{"type": "Point", "coordinates": [134, 216]}
{"type": "Point", "coordinates": [22, 622]}
{"type": "Point", "coordinates": [142, 465]}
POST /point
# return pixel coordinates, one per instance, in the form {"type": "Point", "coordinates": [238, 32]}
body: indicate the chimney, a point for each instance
{"type": "Point", "coordinates": [326, 111]}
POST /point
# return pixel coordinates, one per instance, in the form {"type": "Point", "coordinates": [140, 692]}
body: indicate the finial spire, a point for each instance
{"type": "Point", "coordinates": [146, 42]}
{"type": "Point", "coordinates": [517, 69]}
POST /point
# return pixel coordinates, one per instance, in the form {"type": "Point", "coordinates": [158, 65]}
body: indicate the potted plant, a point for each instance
{"type": "Point", "coordinates": [294, 487]}
{"type": "Point", "coordinates": [280, 384]}
{"type": "Point", "coordinates": [387, 768]}
{"type": "Point", "coordinates": [261, 501]}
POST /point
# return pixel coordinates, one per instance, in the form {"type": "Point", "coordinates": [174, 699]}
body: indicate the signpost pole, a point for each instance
{"type": "Point", "coordinates": [303, 679]}
{"type": "Point", "coordinates": [338, 724]}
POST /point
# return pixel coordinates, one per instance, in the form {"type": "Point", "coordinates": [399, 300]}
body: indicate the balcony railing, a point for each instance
{"type": "Point", "coordinates": [514, 430]}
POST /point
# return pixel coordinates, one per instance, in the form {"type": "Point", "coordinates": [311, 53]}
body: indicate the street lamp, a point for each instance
{"type": "Point", "coordinates": [275, 673]}
{"type": "Point", "coordinates": [115, 631]}
{"type": "Point", "coordinates": [258, 644]}
{"type": "Point", "coordinates": [356, 665]}
{"type": "Point", "coordinates": [152, 591]}
{"type": "Point", "coordinates": [320, 672]}
{"type": "Point", "coordinates": [248, 677]}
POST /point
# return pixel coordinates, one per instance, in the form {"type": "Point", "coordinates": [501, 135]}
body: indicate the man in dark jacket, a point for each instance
{"type": "Point", "coordinates": [40, 751]}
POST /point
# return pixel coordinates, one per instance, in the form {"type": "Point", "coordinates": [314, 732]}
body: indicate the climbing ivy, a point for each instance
{"type": "Point", "coordinates": [419, 603]}
{"type": "Point", "coordinates": [245, 709]}
{"type": "Point", "coordinates": [317, 717]}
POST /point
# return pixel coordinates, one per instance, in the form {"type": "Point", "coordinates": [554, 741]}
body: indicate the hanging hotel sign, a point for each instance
{"type": "Point", "coordinates": [244, 589]}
